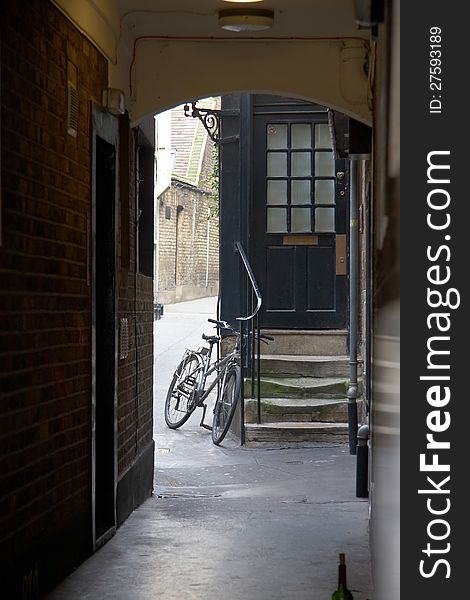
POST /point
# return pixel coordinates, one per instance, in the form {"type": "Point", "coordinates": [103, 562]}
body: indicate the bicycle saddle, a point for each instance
{"type": "Point", "coordinates": [212, 339]}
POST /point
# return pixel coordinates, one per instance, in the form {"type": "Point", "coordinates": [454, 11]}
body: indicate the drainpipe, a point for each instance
{"type": "Point", "coordinates": [207, 244]}
{"type": "Point", "coordinates": [353, 305]}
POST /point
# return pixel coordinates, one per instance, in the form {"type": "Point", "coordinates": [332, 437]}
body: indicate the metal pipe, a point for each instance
{"type": "Point", "coordinates": [252, 341]}
{"type": "Point", "coordinates": [242, 390]}
{"type": "Point", "coordinates": [353, 305]}
{"type": "Point", "coordinates": [251, 277]}
{"type": "Point", "coordinates": [258, 371]}
{"type": "Point", "coordinates": [208, 244]}
{"type": "Point", "coordinates": [362, 462]}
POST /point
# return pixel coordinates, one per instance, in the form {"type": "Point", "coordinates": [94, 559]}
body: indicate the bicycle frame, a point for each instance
{"type": "Point", "coordinates": [205, 369]}
{"type": "Point", "coordinates": [223, 365]}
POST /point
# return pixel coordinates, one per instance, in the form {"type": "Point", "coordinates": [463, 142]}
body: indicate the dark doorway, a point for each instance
{"type": "Point", "coordinates": [105, 328]}
{"type": "Point", "coordinates": [299, 218]}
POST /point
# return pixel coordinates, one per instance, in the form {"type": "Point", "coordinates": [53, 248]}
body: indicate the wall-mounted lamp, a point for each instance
{"type": "Point", "coordinates": [113, 100]}
{"type": "Point", "coordinates": [246, 19]}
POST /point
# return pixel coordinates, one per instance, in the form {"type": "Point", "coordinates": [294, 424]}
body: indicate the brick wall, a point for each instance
{"type": "Point", "coordinates": [182, 270]}
{"type": "Point", "coordinates": [45, 296]}
{"type": "Point", "coordinates": [45, 300]}
{"type": "Point", "coordinates": [183, 277]}
{"type": "Point", "coordinates": [135, 373]}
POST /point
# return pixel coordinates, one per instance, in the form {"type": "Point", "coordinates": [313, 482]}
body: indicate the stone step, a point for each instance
{"type": "Point", "coordinates": [309, 366]}
{"type": "Point", "coordinates": [300, 387]}
{"type": "Point", "coordinates": [298, 410]}
{"type": "Point", "coordinates": [293, 342]}
{"type": "Point", "coordinates": [288, 434]}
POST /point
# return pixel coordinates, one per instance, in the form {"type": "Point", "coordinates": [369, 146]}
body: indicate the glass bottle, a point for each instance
{"type": "Point", "coordinates": [342, 593]}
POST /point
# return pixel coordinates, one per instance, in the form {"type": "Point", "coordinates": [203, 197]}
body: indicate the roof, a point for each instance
{"type": "Point", "coordinates": [189, 139]}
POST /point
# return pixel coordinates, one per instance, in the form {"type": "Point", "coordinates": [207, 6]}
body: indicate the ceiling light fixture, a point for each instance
{"type": "Point", "coordinates": [246, 19]}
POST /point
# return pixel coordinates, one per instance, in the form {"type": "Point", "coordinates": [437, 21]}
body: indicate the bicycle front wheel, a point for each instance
{"type": "Point", "coordinates": [226, 403]}
{"type": "Point", "coordinates": [181, 396]}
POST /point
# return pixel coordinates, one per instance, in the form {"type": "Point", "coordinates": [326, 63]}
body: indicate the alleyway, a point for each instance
{"type": "Point", "coordinates": [230, 522]}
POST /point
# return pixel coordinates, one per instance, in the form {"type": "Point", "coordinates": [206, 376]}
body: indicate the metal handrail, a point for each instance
{"type": "Point", "coordinates": [252, 336]}
{"type": "Point", "coordinates": [252, 279]}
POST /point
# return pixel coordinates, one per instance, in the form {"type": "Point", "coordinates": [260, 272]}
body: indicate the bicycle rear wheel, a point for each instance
{"type": "Point", "coordinates": [226, 404]}
{"type": "Point", "coordinates": [180, 400]}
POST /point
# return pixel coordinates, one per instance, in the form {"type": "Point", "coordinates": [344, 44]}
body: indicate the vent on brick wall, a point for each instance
{"type": "Point", "coordinates": [72, 100]}
{"type": "Point", "coordinates": [124, 339]}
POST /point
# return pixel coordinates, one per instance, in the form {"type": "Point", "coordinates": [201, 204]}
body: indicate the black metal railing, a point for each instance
{"type": "Point", "coordinates": [250, 351]}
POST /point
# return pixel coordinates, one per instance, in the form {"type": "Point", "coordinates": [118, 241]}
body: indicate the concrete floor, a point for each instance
{"type": "Point", "coordinates": [229, 522]}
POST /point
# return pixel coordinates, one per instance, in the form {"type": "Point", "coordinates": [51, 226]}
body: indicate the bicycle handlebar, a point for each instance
{"type": "Point", "coordinates": [221, 324]}
{"type": "Point", "coordinates": [224, 325]}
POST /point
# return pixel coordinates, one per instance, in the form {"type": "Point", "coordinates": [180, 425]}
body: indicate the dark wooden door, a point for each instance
{"type": "Point", "coordinates": [299, 221]}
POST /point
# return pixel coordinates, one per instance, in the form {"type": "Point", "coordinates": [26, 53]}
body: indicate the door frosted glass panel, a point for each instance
{"type": "Point", "coordinates": [277, 191]}
{"type": "Point", "coordinates": [301, 164]}
{"type": "Point", "coordinates": [276, 220]}
{"type": "Point", "coordinates": [301, 135]}
{"type": "Point", "coordinates": [276, 135]}
{"type": "Point", "coordinates": [322, 136]}
{"type": "Point", "coordinates": [300, 220]}
{"type": "Point", "coordinates": [324, 219]}
{"type": "Point", "coordinates": [300, 192]}
{"type": "Point", "coordinates": [277, 164]}
{"type": "Point", "coordinates": [324, 164]}
{"type": "Point", "coordinates": [325, 191]}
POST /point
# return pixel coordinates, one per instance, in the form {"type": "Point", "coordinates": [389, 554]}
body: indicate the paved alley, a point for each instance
{"type": "Point", "coordinates": [230, 522]}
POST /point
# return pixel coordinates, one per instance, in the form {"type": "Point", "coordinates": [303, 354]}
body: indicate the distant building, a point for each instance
{"type": "Point", "coordinates": [187, 222]}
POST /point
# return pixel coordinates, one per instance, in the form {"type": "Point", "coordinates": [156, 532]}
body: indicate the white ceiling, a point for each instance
{"type": "Point", "coordinates": [312, 18]}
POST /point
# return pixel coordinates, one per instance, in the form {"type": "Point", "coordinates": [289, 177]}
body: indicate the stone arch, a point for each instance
{"type": "Point", "coordinates": [331, 72]}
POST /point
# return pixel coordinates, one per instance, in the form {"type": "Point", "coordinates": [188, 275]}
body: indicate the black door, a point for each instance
{"type": "Point", "coordinates": [299, 221]}
{"type": "Point", "coordinates": [104, 331]}
{"type": "Point", "coordinates": [105, 286]}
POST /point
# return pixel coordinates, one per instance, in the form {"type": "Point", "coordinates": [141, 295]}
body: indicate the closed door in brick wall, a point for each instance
{"type": "Point", "coordinates": [104, 285]}
{"type": "Point", "coordinates": [299, 219]}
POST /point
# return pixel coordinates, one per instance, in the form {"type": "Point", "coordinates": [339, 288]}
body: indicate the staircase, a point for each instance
{"type": "Point", "coordinates": [304, 381]}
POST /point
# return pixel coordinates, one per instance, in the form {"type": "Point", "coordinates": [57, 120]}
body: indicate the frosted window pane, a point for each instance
{"type": "Point", "coordinates": [322, 136]}
{"type": "Point", "coordinates": [277, 220]}
{"type": "Point", "coordinates": [324, 219]}
{"type": "Point", "coordinates": [300, 192]}
{"type": "Point", "coordinates": [277, 164]}
{"type": "Point", "coordinates": [301, 165]}
{"type": "Point", "coordinates": [300, 220]}
{"type": "Point", "coordinates": [325, 191]}
{"type": "Point", "coordinates": [276, 135]}
{"type": "Point", "coordinates": [324, 164]}
{"type": "Point", "coordinates": [301, 136]}
{"type": "Point", "coordinates": [277, 192]}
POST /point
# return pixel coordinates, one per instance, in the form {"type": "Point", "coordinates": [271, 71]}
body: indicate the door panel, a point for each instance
{"type": "Point", "coordinates": [280, 279]}
{"type": "Point", "coordinates": [320, 279]}
{"type": "Point", "coordinates": [299, 207]}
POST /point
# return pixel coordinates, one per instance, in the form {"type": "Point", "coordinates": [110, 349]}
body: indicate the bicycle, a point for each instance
{"type": "Point", "coordinates": [188, 391]}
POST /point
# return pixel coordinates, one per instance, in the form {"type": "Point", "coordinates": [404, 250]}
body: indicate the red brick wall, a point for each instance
{"type": "Point", "coordinates": [45, 296]}
{"type": "Point", "coordinates": [135, 373]}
